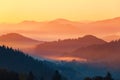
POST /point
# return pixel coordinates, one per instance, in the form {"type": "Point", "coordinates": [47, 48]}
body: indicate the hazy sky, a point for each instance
{"type": "Point", "coordinates": [42, 10]}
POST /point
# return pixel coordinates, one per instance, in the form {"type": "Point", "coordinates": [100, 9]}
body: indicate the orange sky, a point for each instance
{"type": "Point", "coordinates": [14, 11]}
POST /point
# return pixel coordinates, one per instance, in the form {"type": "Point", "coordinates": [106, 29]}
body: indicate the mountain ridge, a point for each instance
{"type": "Point", "coordinates": [64, 29]}
{"type": "Point", "coordinates": [15, 36]}
{"type": "Point", "coordinates": [16, 40]}
{"type": "Point", "coordinates": [63, 46]}
{"type": "Point", "coordinates": [66, 20]}
{"type": "Point", "coordinates": [15, 60]}
{"type": "Point", "coordinates": [106, 53]}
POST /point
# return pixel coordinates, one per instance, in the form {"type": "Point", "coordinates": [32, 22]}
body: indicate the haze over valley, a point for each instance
{"type": "Point", "coordinates": [64, 29]}
{"type": "Point", "coordinates": [59, 39]}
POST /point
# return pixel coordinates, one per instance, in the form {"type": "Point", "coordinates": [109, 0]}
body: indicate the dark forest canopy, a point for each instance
{"type": "Point", "coordinates": [19, 65]}
{"type": "Point", "coordinates": [16, 65]}
{"type": "Point", "coordinates": [17, 61]}
{"type": "Point", "coordinates": [108, 76]}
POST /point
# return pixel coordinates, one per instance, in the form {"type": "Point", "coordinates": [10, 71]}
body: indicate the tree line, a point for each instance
{"type": "Point", "coordinates": [11, 75]}
{"type": "Point", "coordinates": [107, 77]}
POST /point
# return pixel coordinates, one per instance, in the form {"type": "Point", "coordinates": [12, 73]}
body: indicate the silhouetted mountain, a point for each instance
{"type": "Point", "coordinates": [28, 22]}
{"type": "Point", "coordinates": [107, 53]}
{"type": "Point", "coordinates": [78, 71]}
{"type": "Point", "coordinates": [17, 61]}
{"type": "Point", "coordinates": [60, 20]}
{"type": "Point", "coordinates": [16, 37]}
{"type": "Point", "coordinates": [113, 20]}
{"type": "Point", "coordinates": [17, 41]}
{"type": "Point", "coordinates": [64, 21]}
{"type": "Point", "coordinates": [60, 47]}
{"type": "Point", "coordinates": [62, 28]}
{"type": "Point", "coordinates": [103, 26]}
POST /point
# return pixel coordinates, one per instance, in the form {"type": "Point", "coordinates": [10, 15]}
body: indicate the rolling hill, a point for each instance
{"type": "Point", "coordinates": [107, 53]}
{"type": "Point", "coordinates": [60, 47]}
{"type": "Point", "coordinates": [17, 61]}
{"type": "Point", "coordinates": [63, 29]}
{"type": "Point", "coordinates": [18, 41]}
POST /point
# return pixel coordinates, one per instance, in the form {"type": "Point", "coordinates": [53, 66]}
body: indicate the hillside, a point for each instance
{"type": "Point", "coordinates": [63, 29]}
{"type": "Point", "coordinates": [17, 41]}
{"type": "Point", "coordinates": [60, 47]}
{"type": "Point", "coordinates": [19, 62]}
{"type": "Point", "coordinates": [107, 53]}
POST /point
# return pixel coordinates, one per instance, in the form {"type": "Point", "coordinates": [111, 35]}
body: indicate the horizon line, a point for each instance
{"type": "Point", "coordinates": [81, 21]}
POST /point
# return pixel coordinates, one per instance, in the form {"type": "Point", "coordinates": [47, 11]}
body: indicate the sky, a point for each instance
{"type": "Point", "coordinates": [15, 11]}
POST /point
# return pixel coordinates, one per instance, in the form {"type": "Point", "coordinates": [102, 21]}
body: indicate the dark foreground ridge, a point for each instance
{"type": "Point", "coordinates": [15, 65]}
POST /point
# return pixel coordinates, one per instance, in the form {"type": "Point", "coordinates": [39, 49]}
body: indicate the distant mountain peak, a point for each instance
{"type": "Point", "coordinates": [93, 39]}
{"type": "Point", "coordinates": [16, 40]}
{"type": "Point", "coordinates": [117, 18]}
{"type": "Point", "coordinates": [89, 36]}
{"type": "Point", "coordinates": [63, 21]}
{"type": "Point", "coordinates": [12, 35]}
{"type": "Point", "coordinates": [16, 37]}
{"type": "Point", "coordinates": [29, 22]}
{"type": "Point", "coordinates": [112, 20]}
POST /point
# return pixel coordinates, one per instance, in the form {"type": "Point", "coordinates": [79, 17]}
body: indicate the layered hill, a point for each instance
{"type": "Point", "coordinates": [61, 47]}
{"type": "Point", "coordinates": [17, 41]}
{"type": "Point", "coordinates": [17, 61]}
{"type": "Point", "coordinates": [63, 29]}
{"type": "Point", "coordinates": [107, 53]}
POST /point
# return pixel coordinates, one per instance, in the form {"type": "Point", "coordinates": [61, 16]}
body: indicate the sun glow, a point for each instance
{"type": "Point", "coordinates": [12, 11]}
